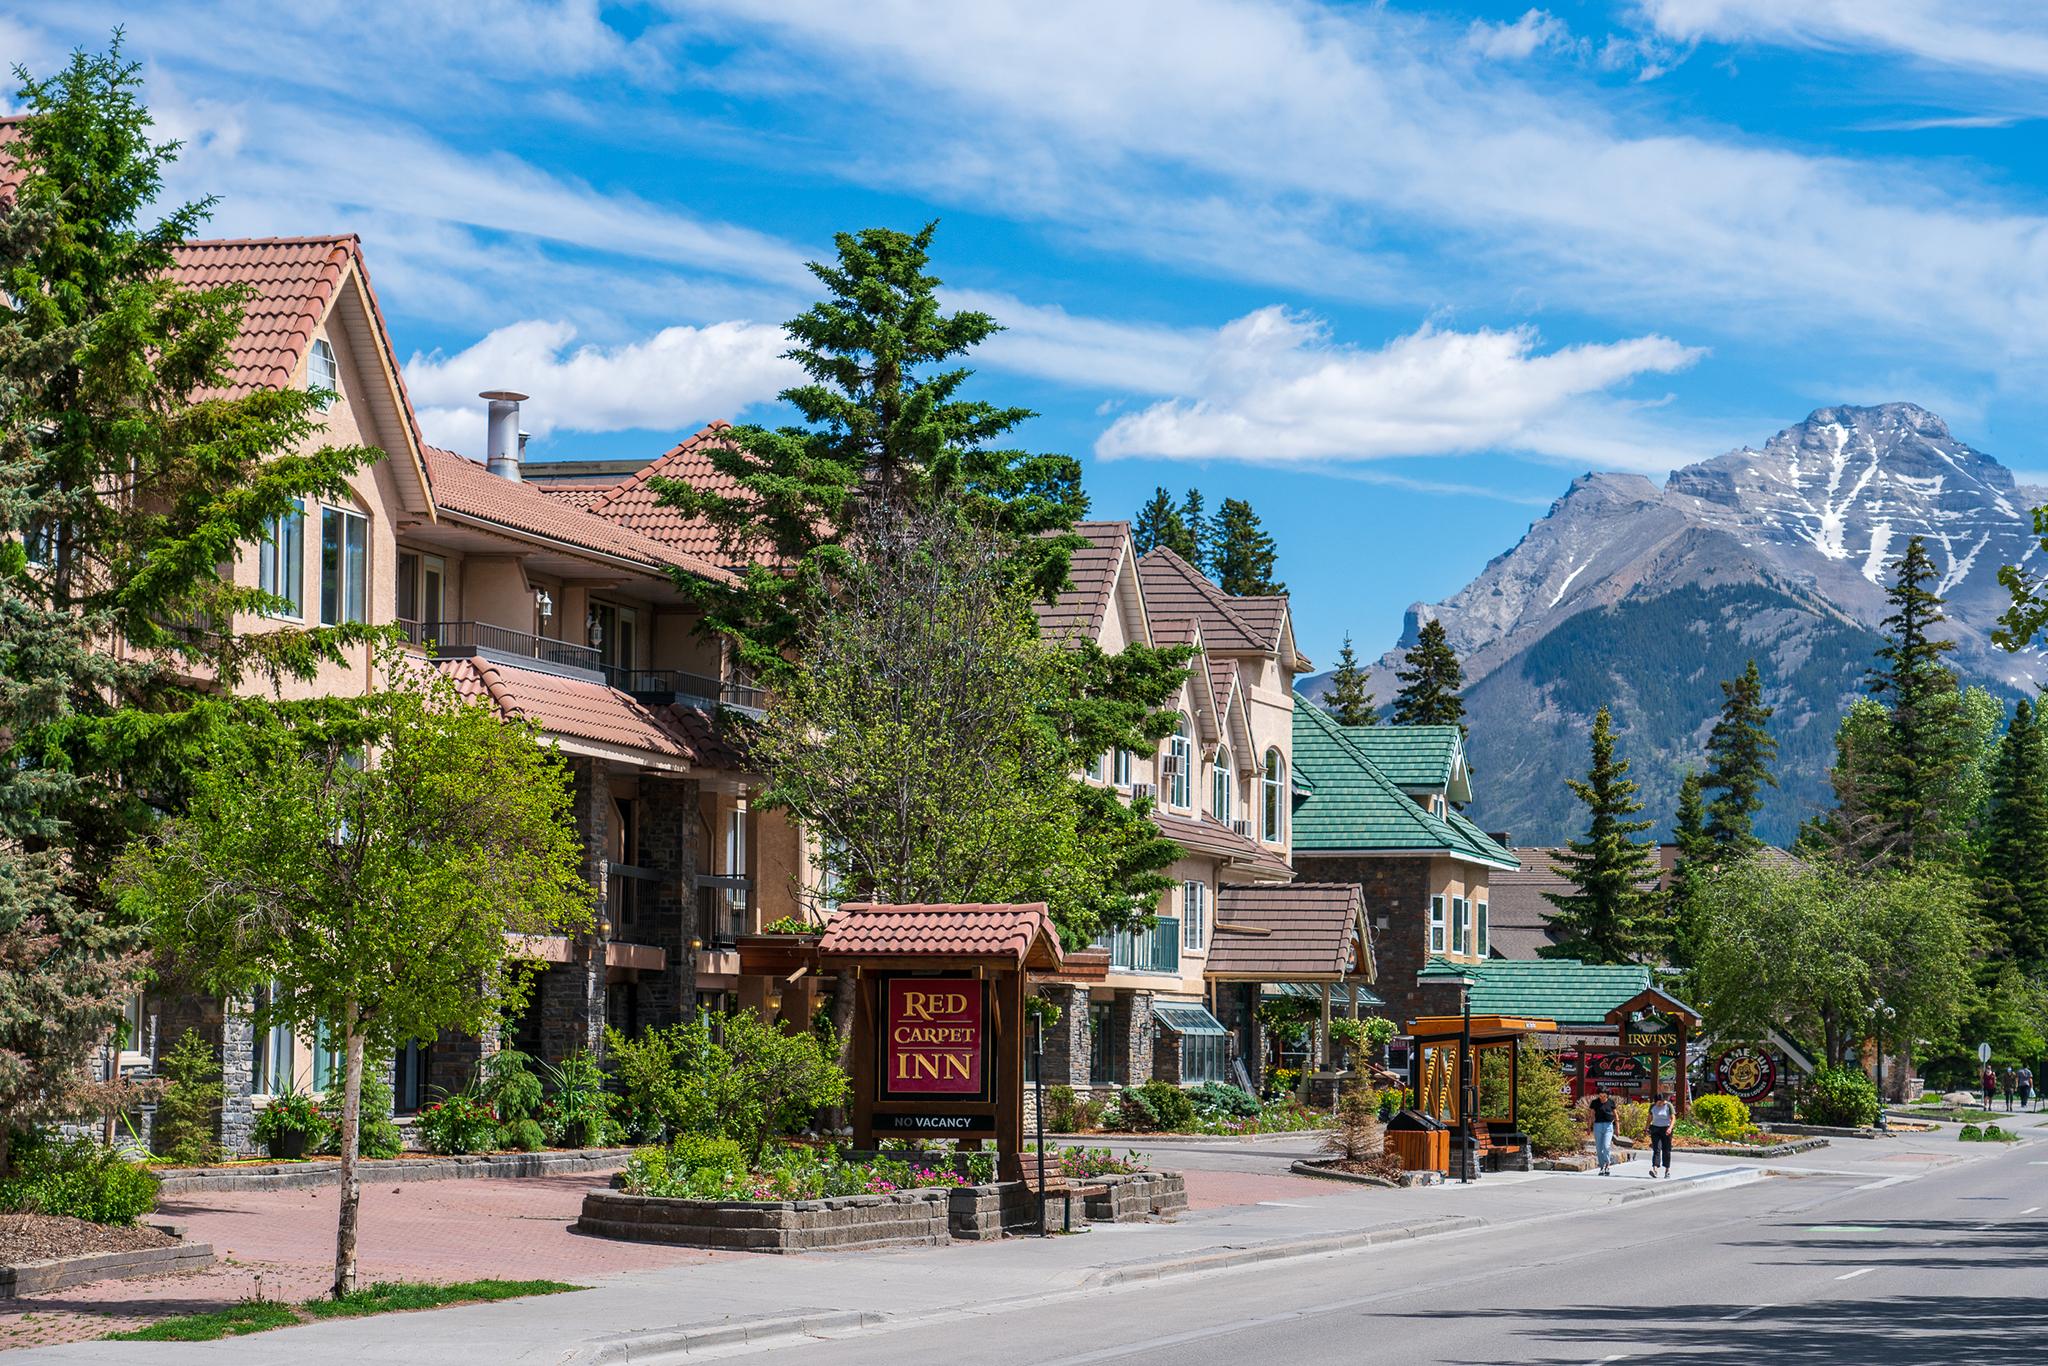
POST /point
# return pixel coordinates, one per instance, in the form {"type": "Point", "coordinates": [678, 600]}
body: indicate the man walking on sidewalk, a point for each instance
{"type": "Point", "coordinates": [1603, 1130]}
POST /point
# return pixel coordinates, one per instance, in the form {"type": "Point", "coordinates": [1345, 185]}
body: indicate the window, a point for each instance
{"type": "Point", "coordinates": [614, 632]}
{"type": "Point", "coordinates": [1458, 926]}
{"type": "Point", "coordinates": [327, 1061]}
{"type": "Point", "coordinates": [409, 1072]}
{"type": "Point", "coordinates": [322, 374]}
{"type": "Point", "coordinates": [1483, 948]}
{"type": "Point", "coordinates": [273, 1069]}
{"type": "Point", "coordinates": [1194, 915]}
{"type": "Point", "coordinates": [1098, 766]}
{"type": "Point", "coordinates": [1122, 771]}
{"type": "Point", "coordinates": [1221, 780]}
{"type": "Point", "coordinates": [40, 543]}
{"type": "Point", "coordinates": [1436, 924]}
{"type": "Point", "coordinates": [736, 853]}
{"type": "Point", "coordinates": [344, 566]}
{"type": "Point", "coordinates": [1272, 793]}
{"type": "Point", "coordinates": [1179, 758]}
{"type": "Point", "coordinates": [422, 587]}
{"type": "Point", "coordinates": [281, 560]}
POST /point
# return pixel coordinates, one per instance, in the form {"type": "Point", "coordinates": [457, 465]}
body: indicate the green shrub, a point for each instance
{"type": "Point", "coordinates": [1839, 1096]}
{"type": "Point", "coordinates": [1970, 1133]}
{"type": "Point", "coordinates": [1221, 1100]}
{"type": "Point", "coordinates": [578, 1111]}
{"type": "Point", "coordinates": [291, 1112]}
{"type": "Point", "coordinates": [1173, 1109]}
{"type": "Point", "coordinates": [522, 1136]}
{"type": "Point", "coordinates": [188, 1113]}
{"type": "Point", "coordinates": [757, 1084]}
{"type": "Point", "coordinates": [377, 1135]}
{"type": "Point", "coordinates": [1540, 1106]}
{"type": "Point", "coordinates": [79, 1179]}
{"type": "Point", "coordinates": [1131, 1110]}
{"type": "Point", "coordinates": [1725, 1116]}
{"type": "Point", "coordinates": [1632, 1119]}
{"type": "Point", "coordinates": [459, 1122]}
{"type": "Point", "coordinates": [508, 1085]}
{"type": "Point", "coordinates": [1064, 1109]}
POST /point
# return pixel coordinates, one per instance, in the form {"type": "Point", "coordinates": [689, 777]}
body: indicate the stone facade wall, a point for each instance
{"type": "Point", "coordinates": [1131, 1030]}
{"type": "Point", "coordinates": [668, 909]}
{"type": "Point", "coordinates": [841, 1224]}
{"type": "Point", "coordinates": [1166, 1059]}
{"type": "Point", "coordinates": [1397, 889]}
{"type": "Point", "coordinates": [572, 994]}
{"type": "Point", "coordinates": [1139, 1196]}
{"type": "Point", "coordinates": [1066, 1043]}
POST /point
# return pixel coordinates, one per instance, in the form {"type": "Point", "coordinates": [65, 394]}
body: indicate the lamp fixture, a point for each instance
{"type": "Point", "coordinates": [543, 604]}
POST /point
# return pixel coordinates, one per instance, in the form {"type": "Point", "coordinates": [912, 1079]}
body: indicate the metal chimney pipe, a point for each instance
{"type": "Point", "coordinates": [502, 446]}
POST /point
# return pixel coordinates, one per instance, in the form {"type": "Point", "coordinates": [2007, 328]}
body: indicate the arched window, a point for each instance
{"type": "Point", "coordinates": [321, 371]}
{"type": "Point", "coordinates": [1273, 791]}
{"type": "Point", "coordinates": [1222, 784]}
{"type": "Point", "coordinates": [1179, 758]}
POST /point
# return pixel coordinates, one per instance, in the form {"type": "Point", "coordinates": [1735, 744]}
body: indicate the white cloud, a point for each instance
{"type": "Point", "coordinates": [1277, 389]}
{"type": "Point", "coordinates": [1535, 30]}
{"type": "Point", "coordinates": [2007, 37]}
{"type": "Point", "coordinates": [678, 378]}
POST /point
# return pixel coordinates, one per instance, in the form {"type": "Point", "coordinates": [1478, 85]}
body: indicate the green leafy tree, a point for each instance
{"type": "Point", "coordinates": [1612, 916]}
{"type": "Point", "coordinates": [1432, 682]}
{"type": "Point", "coordinates": [1541, 1109]}
{"type": "Point", "coordinates": [382, 898]}
{"type": "Point", "coordinates": [1159, 523]}
{"type": "Point", "coordinates": [2014, 878]}
{"type": "Point", "coordinates": [1739, 755]}
{"type": "Point", "coordinates": [121, 494]}
{"type": "Point", "coordinates": [1242, 553]}
{"type": "Point", "coordinates": [1347, 699]}
{"type": "Point", "coordinates": [1696, 857]}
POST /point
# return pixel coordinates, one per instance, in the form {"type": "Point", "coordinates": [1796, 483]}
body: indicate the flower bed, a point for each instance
{"type": "Point", "coordinates": [41, 1252]}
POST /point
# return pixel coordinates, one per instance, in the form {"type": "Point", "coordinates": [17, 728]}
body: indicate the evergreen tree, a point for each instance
{"type": "Point", "coordinates": [1347, 699]}
{"type": "Point", "coordinates": [1696, 858]}
{"type": "Point", "coordinates": [1199, 546]}
{"type": "Point", "coordinates": [1242, 554]}
{"type": "Point", "coordinates": [1159, 523]}
{"type": "Point", "coordinates": [1739, 755]}
{"type": "Point", "coordinates": [1431, 682]}
{"type": "Point", "coordinates": [120, 497]}
{"type": "Point", "coordinates": [2014, 879]}
{"type": "Point", "coordinates": [1612, 916]}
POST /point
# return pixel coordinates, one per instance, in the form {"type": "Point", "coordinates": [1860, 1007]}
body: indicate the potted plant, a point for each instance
{"type": "Point", "coordinates": [288, 1124]}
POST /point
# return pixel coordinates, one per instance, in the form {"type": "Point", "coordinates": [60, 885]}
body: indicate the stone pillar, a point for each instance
{"type": "Point", "coordinates": [1066, 1057]}
{"type": "Point", "coordinates": [572, 993]}
{"type": "Point", "coordinates": [1130, 1034]}
{"type": "Point", "coordinates": [668, 908]}
{"type": "Point", "coordinates": [238, 1077]}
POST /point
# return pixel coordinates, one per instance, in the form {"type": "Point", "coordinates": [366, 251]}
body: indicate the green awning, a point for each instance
{"type": "Point", "coordinates": [1187, 1019]}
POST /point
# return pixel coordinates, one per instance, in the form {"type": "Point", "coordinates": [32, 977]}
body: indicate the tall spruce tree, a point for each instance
{"type": "Point", "coordinates": [2014, 876]}
{"type": "Point", "coordinates": [1200, 547]}
{"type": "Point", "coordinates": [1696, 858]}
{"type": "Point", "coordinates": [1739, 755]}
{"type": "Point", "coordinates": [1159, 523]}
{"type": "Point", "coordinates": [1613, 913]}
{"type": "Point", "coordinates": [1242, 554]}
{"type": "Point", "coordinates": [1347, 699]}
{"type": "Point", "coordinates": [120, 497]}
{"type": "Point", "coordinates": [1432, 681]}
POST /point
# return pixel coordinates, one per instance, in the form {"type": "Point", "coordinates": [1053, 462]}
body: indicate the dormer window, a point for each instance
{"type": "Point", "coordinates": [1179, 759]}
{"type": "Point", "coordinates": [1221, 781]}
{"type": "Point", "coordinates": [322, 374]}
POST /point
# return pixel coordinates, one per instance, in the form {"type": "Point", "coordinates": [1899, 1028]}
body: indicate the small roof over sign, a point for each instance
{"type": "Point", "coordinates": [1000, 936]}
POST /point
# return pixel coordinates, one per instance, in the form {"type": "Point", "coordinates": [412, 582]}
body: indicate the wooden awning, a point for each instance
{"type": "Point", "coordinates": [1655, 1001]}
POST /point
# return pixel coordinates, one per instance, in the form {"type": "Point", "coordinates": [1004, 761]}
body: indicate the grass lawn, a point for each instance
{"type": "Point", "coordinates": [384, 1297]}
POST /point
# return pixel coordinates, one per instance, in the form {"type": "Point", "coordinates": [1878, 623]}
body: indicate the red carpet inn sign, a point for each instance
{"type": "Point", "coordinates": [935, 1039]}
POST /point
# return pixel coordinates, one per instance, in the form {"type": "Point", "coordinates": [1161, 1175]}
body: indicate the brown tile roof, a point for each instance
{"type": "Point", "coordinates": [572, 707]}
{"type": "Point", "coordinates": [873, 930]}
{"type": "Point", "coordinates": [576, 495]}
{"type": "Point", "coordinates": [1079, 612]}
{"type": "Point", "coordinates": [1176, 590]}
{"type": "Point", "coordinates": [717, 742]}
{"type": "Point", "coordinates": [292, 282]}
{"type": "Point", "coordinates": [634, 504]}
{"type": "Point", "coordinates": [1205, 834]}
{"type": "Point", "coordinates": [1222, 681]}
{"type": "Point", "coordinates": [464, 487]}
{"type": "Point", "coordinates": [1299, 931]}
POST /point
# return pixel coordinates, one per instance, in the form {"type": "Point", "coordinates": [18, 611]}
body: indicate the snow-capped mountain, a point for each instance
{"type": "Point", "coordinates": [1643, 597]}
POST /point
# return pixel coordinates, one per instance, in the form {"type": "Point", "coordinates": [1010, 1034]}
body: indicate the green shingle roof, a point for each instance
{"type": "Point", "coordinates": [1351, 805]}
{"type": "Point", "coordinates": [1410, 756]}
{"type": "Point", "coordinates": [1560, 989]}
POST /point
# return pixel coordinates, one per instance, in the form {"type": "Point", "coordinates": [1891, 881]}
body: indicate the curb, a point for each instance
{"type": "Point", "coordinates": [665, 1345]}
{"type": "Point", "coordinates": [1170, 1267]}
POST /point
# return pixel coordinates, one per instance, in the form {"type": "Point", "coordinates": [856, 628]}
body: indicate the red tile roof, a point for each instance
{"type": "Point", "coordinates": [291, 281]}
{"type": "Point", "coordinates": [1019, 934]}
{"type": "Point", "coordinates": [633, 503]}
{"type": "Point", "coordinates": [576, 495]}
{"type": "Point", "coordinates": [572, 707]}
{"type": "Point", "coordinates": [1204, 834]}
{"type": "Point", "coordinates": [1299, 931]}
{"type": "Point", "coordinates": [464, 487]}
{"type": "Point", "coordinates": [1079, 612]}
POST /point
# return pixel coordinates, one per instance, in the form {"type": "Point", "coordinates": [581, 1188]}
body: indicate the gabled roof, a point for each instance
{"type": "Point", "coordinates": [1204, 834]}
{"type": "Point", "coordinates": [1020, 934]}
{"type": "Point", "coordinates": [1415, 758]}
{"type": "Point", "coordinates": [1560, 989]}
{"type": "Point", "coordinates": [1353, 807]}
{"type": "Point", "coordinates": [634, 504]}
{"type": "Point", "coordinates": [1177, 591]}
{"type": "Point", "coordinates": [574, 709]}
{"type": "Point", "coordinates": [1079, 612]}
{"type": "Point", "coordinates": [1296, 932]}
{"type": "Point", "coordinates": [466, 490]}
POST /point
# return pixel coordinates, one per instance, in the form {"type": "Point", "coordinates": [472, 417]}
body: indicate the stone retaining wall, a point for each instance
{"type": "Point", "coordinates": [848, 1223]}
{"type": "Point", "coordinates": [980, 1213]}
{"type": "Point", "coordinates": [298, 1175]}
{"type": "Point", "coordinates": [61, 1273]}
{"type": "Point", "coordinates": [1138, 1196]}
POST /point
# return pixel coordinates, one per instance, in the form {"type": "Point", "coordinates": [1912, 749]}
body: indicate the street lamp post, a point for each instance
{"type": "Point", "coordinates": [1468, 1086]}
{"type": "Point", "coordinates": [1883, 1012]}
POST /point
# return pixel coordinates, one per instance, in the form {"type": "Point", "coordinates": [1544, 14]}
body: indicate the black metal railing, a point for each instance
{"type": "Point", "coordinates": [671, 684]}
{"type": "Point", "coordinates": [722, 909]}
{"type": "Point", "coordinates": [445, 638]}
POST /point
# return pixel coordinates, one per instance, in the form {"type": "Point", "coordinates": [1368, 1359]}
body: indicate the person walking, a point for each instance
{"type": "Point", "coordinates": [1603, 1130]}
{"type": "Point", "coordinates": [2026, 1087]}
{"type": "Point", "coordinates": [1663, 1114]}
{"type": "Point", "coordinates": [1990, 1081]}
{"type": "Point", "coordinates": [2012, 1084]}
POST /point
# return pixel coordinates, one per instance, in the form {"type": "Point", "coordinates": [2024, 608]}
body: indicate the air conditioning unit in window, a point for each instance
{"type": "Point", "coordinates": [1241, 826]}
{"type": "Point", "coordinates": [1144, 790]}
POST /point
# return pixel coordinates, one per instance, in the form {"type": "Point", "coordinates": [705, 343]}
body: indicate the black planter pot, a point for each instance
{"type": "Point", "coordinates": [288, 1145]}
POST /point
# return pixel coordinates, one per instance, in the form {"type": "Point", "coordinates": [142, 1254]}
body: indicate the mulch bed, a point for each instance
{"type": "Point", "coordinates": [41, 1237]}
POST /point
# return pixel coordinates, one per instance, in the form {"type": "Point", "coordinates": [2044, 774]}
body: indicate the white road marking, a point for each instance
{"type": "Point", "coordinates": [2035, 1210]}
{"type": "Point", "coordinates": [1859, 1271]}
{"type": "Point", "coordinates": [1618, 1356]}
{"type": "Point", "coordinates": [1280, 1204]}
{"type": "Point", "coordinates": [1743, 1313]}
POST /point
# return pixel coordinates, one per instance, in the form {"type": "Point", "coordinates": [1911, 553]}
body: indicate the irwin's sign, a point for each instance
{"type": "Point", "coordinates": [935, 1038]}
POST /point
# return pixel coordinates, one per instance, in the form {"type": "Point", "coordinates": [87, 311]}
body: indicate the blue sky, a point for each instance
{"type": "Point", "coordinates": [1394, 273]}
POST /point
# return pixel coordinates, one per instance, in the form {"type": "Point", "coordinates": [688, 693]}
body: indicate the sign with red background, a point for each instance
{"type": "Point", "coordinates": [935, 1038]}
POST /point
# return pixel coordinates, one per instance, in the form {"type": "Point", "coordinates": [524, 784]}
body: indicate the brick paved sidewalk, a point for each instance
{"type": "Point", "coordinates": [280, 1245]}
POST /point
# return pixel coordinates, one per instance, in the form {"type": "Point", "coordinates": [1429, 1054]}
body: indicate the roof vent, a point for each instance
{"type": "Point", "coordinates": [503, 444]}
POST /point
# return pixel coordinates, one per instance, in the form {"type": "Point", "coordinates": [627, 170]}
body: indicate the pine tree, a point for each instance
{"type": "Point", "coordinates": [1739, 755]}
{"type": "Point", "coordinates": [1200, 547]}
{"type": "Point", "coordinates": [1347, 699]}
{"type": "Point", "coordinates": [1158, 523]}
{"type": "Point", "coordinates": [1696, 857]}
{"type": "Point", "coordinates": [1242, 554]}
{"type": "Point", "coordinates": [2014, 877]}
{"type": "Point", "coordinates": [1431, 682]}
{"type": "Point", "coordinates": [1612, 916]}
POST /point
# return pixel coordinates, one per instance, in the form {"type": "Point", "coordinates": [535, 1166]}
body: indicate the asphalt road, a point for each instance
{"type": "Point", "coordinates": [1948, 1266]}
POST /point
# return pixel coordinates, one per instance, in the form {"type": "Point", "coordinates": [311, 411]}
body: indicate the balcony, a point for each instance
{"type": "Point", "coordinates": [722, 910]}
{"type": "Point", "coordinates": [676, 685]}
{"type": "Point", "coordinates": [458, 639]}
{"type": "Point", "coordinates": [1142, 950]}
